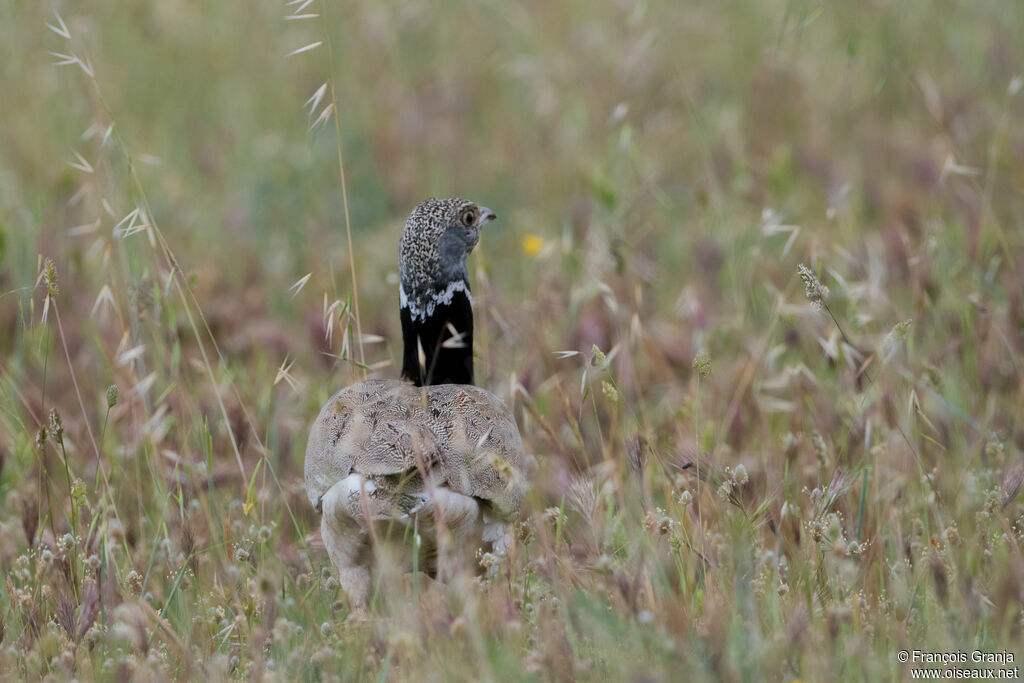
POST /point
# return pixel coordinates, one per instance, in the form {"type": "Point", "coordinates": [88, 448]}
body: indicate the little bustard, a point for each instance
{"type": "Point", "coordinates": [431, 449]}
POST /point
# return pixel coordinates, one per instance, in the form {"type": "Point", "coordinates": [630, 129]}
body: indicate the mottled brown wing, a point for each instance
{"type": "Point", "coordinates": [483, 452]}
{"type": "Point", "coordinates": [385, 427]}
{"type": "Point", "coordinates": [372, 428]}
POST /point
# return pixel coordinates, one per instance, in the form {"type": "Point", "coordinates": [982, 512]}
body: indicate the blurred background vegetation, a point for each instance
{"type": "Point", "coordinates": [659, 170]}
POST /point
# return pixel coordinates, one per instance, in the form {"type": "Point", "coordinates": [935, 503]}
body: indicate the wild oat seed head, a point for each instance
{"type": "Point", "coordinates": [816, 292]}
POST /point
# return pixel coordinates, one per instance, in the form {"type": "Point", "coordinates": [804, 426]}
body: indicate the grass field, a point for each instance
{"type": "Point", "coordinates": [744, 469]}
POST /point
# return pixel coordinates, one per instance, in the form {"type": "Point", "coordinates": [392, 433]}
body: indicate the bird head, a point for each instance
{"type": "Point", "coordinates": [439, 235]}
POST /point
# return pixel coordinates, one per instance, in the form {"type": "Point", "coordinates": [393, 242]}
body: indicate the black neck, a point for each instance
{"type": "Point", "coordinates": [447, 358]}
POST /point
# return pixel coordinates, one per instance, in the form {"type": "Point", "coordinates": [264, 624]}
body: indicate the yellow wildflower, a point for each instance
{"type": "Point", "coordinates": [532, 244]}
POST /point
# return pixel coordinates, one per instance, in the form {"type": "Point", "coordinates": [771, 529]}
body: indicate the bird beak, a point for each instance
{"type": "Point", "coordinates": [486, 216]}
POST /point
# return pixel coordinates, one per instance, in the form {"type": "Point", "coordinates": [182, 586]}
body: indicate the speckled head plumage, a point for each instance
{"type": "Point", "coordinates": [435, 303]}
{"type": "Point", "coordinates": [439, 234]}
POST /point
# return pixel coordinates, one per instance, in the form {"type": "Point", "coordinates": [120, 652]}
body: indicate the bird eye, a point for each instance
{"type": "Point", "coordinates": [468, 217]}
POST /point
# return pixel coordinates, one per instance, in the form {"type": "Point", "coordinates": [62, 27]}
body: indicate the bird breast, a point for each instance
{"type": "Point", "coordinates": [457, 435]}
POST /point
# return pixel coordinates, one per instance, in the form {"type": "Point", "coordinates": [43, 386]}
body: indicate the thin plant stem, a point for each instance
{"type": "Point", "coordinates": [74, 381]}
{"type": "Point", "coordinates": [344, 189]}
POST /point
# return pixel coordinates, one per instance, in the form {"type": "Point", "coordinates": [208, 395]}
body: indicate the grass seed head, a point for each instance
{"type": "Point", "coordinates": [50, 278]}
{"type": "Point", "coordinates": [56, 425]}
{"type": "Point", "coordinates": [816, 292]}
{"type": "Point", "coordinates": [702, 363]}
